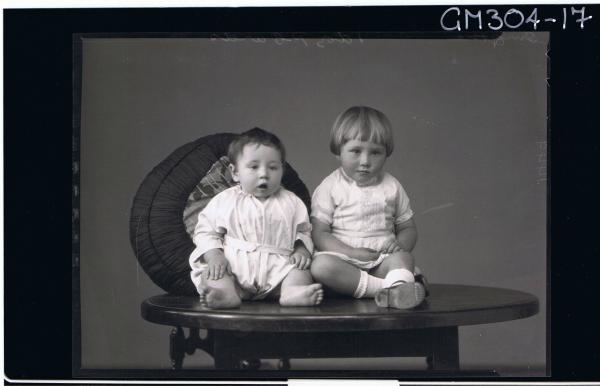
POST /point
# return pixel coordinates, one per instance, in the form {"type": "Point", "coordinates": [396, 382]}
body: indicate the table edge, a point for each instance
{"type": "Point", "coordinates": [380, 321]}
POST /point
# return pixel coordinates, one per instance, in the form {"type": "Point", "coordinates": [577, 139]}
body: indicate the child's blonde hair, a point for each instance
{"type": "Point", "coordinates": [361, 123]}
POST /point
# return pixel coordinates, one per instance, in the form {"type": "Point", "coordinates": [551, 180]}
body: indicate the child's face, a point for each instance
{"type": "Point", "coordinates": [258, 170]}
{"type": "Point", "coordinates": [362, 161]}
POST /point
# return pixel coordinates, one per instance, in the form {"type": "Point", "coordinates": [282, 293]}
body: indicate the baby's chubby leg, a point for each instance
{"type": "Point", "coordinates": [221, 293]}
{"type": "Point", "coordinates": [299, 289]}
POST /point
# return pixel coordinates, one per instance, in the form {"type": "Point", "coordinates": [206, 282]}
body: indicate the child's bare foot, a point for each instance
{"type": "Point", "coordinates": [302, 295]}
{"type": "Point", "coordinates": [402, 296]}
{"type": "Point", "coordinates": [219, 298]}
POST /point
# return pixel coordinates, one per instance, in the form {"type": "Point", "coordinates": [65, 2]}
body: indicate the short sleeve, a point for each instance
{"type": "Point", "coordinates": [302, 225]}
{"type": "Point", "coordinates": [209, 230]}
{"type": "Point", "coordinates": [403, 209]}
{"type": "Point", "coordinates": [322, 203]}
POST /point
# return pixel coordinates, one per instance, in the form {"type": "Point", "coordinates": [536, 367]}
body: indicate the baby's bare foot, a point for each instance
{"type": "Point", "coordinates": [302, 295]}
{"type": "Point", "coordinates": [219, 298]}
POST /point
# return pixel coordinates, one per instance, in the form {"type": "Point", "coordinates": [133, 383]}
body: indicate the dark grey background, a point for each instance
{"type": "Point", "coordinates": [469, 120]}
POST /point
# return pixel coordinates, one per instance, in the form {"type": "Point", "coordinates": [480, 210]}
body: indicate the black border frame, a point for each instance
{"type": "Point", "coordinates": [39, 66]}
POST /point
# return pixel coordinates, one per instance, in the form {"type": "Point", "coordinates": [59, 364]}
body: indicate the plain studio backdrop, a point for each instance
{"type": "Point", "coordinates": [470, 126]}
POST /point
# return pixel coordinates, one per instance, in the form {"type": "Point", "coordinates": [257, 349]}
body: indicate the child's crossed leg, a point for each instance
{"type": "Point", "coordinates": [391, 283]}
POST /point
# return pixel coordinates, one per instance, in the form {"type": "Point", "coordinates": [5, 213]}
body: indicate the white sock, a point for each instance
{"type": "Point", "coordinates": [374, 284]}
{"type": "Point", "coordinates": [397, 276]}
{"type": "Point", "coordinates": [368, 285]}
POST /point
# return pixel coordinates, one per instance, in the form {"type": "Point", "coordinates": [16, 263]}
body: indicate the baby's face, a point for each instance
{"type": "Point", "coordinates": [362, 161]}
{"type": "Point", "coordinates": [258, 170]}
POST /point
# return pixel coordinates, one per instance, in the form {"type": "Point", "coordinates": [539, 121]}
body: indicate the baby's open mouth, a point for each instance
{"type": "Point", "coordinates": [263, 186]}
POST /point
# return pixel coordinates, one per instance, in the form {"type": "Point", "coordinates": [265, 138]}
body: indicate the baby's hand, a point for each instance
{"type": "Point", "coordinates": [217, 266]}
{"type": "Point", "coordinates": [300, 260]}
{"type": "Point", "coordinates": [392, 246]}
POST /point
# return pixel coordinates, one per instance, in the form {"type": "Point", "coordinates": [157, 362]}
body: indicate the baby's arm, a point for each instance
{"type": "Point", "coordinates": [406, 234]}
{"type": "Point", "coordinates": [208, 237]}
{"type": "Point", "coordinates": [217, 263]}
{"type": "Point", "coordinates": [325, 241]}
{"type": "Point", "coordinates": [301, 257]}
{"type": "Point", "coordinates": [303, 245]}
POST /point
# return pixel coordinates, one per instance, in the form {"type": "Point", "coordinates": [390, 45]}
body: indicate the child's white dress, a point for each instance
{"type": "Point", "coordinates": [256, 236]}
{"type": "Point", "coordinates": [361, 216]}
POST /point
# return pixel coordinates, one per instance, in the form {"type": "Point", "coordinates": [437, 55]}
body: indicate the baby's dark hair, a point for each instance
{"type": "Point", "coordinates": [254, 136]}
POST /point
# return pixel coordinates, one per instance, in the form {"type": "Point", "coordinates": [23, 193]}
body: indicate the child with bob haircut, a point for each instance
{"type": "Point", "coordinates": [253, 239]}
{"type": "Point", "coordinates": [361, 217]}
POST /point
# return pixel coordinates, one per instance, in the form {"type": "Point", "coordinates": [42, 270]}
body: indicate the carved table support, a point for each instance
{"type": "Point", "coordinates": [179, 345]}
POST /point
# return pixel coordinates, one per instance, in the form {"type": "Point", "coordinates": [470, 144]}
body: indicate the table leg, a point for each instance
{"type": "Point", "coordinates": [223, 345]}
{"type": "Point", "coordinates": [444, 354]}
{"type": "Point", "coordinates": [284, 364]}
{"type": "Point", "coordinates": [250, 364]}
{"type": "Point", "coordinates": [177, 347]}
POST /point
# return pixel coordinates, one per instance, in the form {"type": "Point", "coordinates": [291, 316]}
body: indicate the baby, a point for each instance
{"type": "Point", "coordinates": [253, 239]}
{"type": "Point", "coordinates": [361, 217]}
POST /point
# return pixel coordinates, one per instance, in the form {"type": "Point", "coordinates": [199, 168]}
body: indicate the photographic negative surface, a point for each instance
{"type": "Point", "coordinates": [471, 149]}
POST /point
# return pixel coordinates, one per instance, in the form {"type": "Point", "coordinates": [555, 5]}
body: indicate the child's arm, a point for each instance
{"type": "Point", "coordinates": [325, 241]}
{"type": "Point", "coordinates": [406, 234]}
{"type": "Point", "coordinates": [404, 225]}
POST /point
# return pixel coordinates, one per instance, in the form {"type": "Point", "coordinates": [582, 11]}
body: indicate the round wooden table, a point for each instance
{"type": "Point", "coordinates": [336, 328]}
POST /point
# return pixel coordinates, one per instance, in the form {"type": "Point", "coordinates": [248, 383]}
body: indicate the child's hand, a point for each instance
{"type": "Point", "coordinates": [392, 246]}
{"type": "Point", "coordinates": [300, 260]}
{"type": "Point", "coordinates": [217, 266]}
{"type": "Point", "coordinates": [365, 254]}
